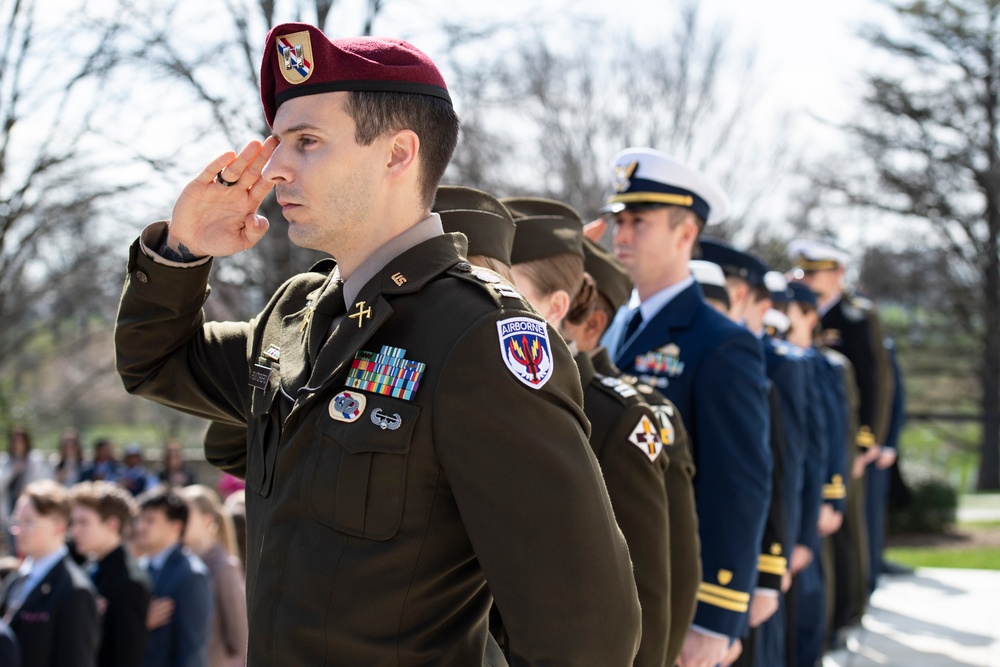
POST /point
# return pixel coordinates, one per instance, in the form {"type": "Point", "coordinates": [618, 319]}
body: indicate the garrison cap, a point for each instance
{"type": "Point", "coordinates": [300, 60]}
{"type": "Point", "coordinates": [480, 216]}
{"type": "Point", "coordinates": [711, 279]}
{"type": "Point", "coordinates": [545, 228]}
{"type": "Point", "coordinates": [613, 282]}
{"type": "Point", "coordinates": [644, 177]}
{"type": "Point", "coordinates": [777, 285]}
{"type": "Point", "coordinates": [735, 263]}
{"type": "Point", "coordinates": [802, 294]}
{"type": "Point", "coordinates": [810, 255]}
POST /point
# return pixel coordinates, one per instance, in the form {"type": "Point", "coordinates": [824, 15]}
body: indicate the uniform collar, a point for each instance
{"type": "Point", "coordinates": [36, 570]}
{"type": "Point", "coordinates": [825, 308]}
{"type": "Point", "coordinates": [658, 301]}
{"type": "Point", "coordinates": [424, 230]}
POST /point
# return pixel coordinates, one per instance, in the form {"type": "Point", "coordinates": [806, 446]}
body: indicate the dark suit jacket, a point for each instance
{"type": "Point", "coordinates": [57, 625]}
{"type": "Point", "coordinates": [10, 652]}
{"type": "Point", "coordinates": [125, 588]}
{"type": "Point", "coordinates": [713, 371]}
{"type": "Point", "coordinates": [183, 642]}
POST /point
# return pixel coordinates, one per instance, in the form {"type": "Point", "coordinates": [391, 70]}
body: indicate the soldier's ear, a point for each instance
{"type": "Point", "coordinates": [404, 149]}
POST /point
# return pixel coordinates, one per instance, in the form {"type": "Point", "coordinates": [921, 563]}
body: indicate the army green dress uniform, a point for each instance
{"type": "Point", "coordinates": [625, 437]}
{"type": "Point", "coordinates": [402, 470]}
{"type": "Point", "coordinates": [614, 284]}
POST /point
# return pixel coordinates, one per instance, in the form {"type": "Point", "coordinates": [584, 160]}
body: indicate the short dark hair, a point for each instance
{"type": "Point", "coordinates": [167, 501]}
{"type": "Point", "coordinates": [432, 119]}
{"type": "Point", "coordinates": [108, 500]}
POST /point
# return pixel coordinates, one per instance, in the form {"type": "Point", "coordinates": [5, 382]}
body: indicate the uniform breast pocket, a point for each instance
{"type": "Point", "coordinates": [263, 432]}
{"type": "Point", "coordinates": [359, 471]}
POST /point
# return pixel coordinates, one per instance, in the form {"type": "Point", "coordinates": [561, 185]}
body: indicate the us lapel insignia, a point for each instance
{"type": "Point", "coordinates": [347, 406]}
{"type": "Point", "coordinates": [388, 373]}
{"type": "Point", "coordinates": [525, 349]}
{"type": "Point", "coordinates": [644, 437]}
{"type": "Point", "coordinates": [384, 421]}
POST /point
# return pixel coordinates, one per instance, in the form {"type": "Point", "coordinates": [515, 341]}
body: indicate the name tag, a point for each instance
{"type": "Point", "coordinates": [259, 375]}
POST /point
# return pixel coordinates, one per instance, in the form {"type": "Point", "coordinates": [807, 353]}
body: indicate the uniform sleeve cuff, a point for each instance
{"type": "Point", "coordinates": [767, 592]}
{"type": "Point", "coordinates": [709, 633]}
{"type": "Point", "coordinates": [152, 237]}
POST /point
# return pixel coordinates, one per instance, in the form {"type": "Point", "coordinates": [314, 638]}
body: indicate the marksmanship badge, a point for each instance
{"type": "Point", "coordinates": [524, 346]}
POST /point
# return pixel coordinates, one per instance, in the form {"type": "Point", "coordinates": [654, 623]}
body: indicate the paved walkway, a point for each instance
{"type": "Point", "coordinates": [934, 618]}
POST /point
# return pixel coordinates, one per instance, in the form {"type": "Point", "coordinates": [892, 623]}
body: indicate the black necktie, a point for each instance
{"type": "Point", "coordinates": [633, 326]}
{"type": "Point", "coordinates": [329, 306]}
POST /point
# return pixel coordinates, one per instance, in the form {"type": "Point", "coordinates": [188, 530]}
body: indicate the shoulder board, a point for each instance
{"type": "Point", "coordinates": [490, 282]}
{"type": "Point", "coordinates": [856, 308]}
{"type": "Point", "coordinates": [623, 391]}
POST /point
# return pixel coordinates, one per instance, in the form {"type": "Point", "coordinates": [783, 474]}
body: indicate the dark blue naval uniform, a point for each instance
{"type": "Point", "coordinates": [713, 371]}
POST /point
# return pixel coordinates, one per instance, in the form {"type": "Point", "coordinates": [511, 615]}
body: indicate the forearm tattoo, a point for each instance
{"type": "Point", "coordinates": [182, 254]}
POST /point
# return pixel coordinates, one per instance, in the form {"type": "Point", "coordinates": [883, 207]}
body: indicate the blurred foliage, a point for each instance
{"type": "Point", "coordinates": [932, 509]}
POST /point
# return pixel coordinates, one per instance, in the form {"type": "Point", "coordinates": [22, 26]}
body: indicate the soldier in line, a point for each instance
{"type": "Point", "coordinates": [711, 369]}
{"type": "Point", "coordinates": [850, 325]}
{"type": "Point", "coordinates": [613, 289]}
{"type": "Point", "coordinates": [389, 501]}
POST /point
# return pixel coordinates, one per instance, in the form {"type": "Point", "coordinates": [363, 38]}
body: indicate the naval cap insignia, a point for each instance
{"type": "Point", "coordinates": [622, 173]}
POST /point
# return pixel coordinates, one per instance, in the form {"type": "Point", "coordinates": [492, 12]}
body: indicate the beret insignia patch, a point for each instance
{"type": "Point", "coordinates": [295, 56]}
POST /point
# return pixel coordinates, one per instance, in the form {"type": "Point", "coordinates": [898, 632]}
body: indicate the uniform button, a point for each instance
{"type": "Point", "coordinates": [141, 276]}
{"type": "Point", "coordinates": [464, 267]}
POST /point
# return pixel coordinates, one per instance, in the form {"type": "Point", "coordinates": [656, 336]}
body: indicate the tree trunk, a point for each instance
{"type": "Point", "coordinates": [989, 465]}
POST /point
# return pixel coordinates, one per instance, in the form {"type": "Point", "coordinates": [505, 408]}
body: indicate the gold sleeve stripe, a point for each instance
{"type": "Point", "coordinates": [865, 437]}
{"type": "Point", "coordinates": [834, 492]}
{"type": "Point", "coordinates": [772, 564]}
{"type": "Point", "coordinates": [723, 603]}
{"type": "Point", "coordinates": [719, 591]}
{"type": "Point", "coordinates": [655, 197]}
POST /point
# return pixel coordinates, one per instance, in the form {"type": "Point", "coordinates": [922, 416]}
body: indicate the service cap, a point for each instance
{"type": "Point", "coordinates": [777, 285]}
{"type": "Point", "coordinates": [802, 294]}
{"type": "Point", "coordinates": [480, 216]}
{"type": "Point", "coordinates": [545, 228]}
{"type": "Point", "coordinates": [613, 282]}
{"type": "Point", "coordinates": [644, 177]}
{"type": "Point", "coordinates": [810, 255]}
{"type": "Point", "coordinates": [735, 263]}
{"type": "Point", "coordinates": [776, 321]}
{"type": "Point", "coordinates": [711, 278]}
{"type": "Point", "coordinates": [300, 60]}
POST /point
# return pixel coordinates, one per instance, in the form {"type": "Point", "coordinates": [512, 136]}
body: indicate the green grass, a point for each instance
{"type": "Point", "coordinates": [975, 559]}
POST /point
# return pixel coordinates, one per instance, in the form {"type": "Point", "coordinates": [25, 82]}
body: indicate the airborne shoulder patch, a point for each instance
{"type": "Point", "coordinates": [525, 349]}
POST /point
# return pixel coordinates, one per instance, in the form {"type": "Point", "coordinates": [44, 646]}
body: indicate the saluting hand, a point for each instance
{"type": "Point", "coordinates": [595, 229]}
{"type": "Point", "coordinates": [211, 218]}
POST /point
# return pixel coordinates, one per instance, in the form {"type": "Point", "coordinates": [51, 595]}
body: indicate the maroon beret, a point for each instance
{"type": "Point", "coordinates": [300, 60]}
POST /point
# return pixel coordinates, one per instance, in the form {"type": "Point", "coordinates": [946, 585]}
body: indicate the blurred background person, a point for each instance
{"type": "Point", "coordinates": [70, 462]}
{"type": "Point", "coordinates": [176, 471]}
{"type": "Point", "coordinates": [134, 476]}
{"type": "Point", "coordinates": [236, 506]}
{"type": "Point", "coordinates": [102, 515]}
{"type": "Point", "coordinates": [181, 638]}
{"type": "Point", "coordinates": [104, 466]}
{"type": "Point", "coordinates": [211, 536]}
{"type": "Point", "coordinates": [19, 467]}
{"type": "Point", "coordinates": [49, 602]}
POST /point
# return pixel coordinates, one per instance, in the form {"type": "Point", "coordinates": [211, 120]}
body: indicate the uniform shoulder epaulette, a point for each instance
{"type": "Point", "coordinates": [621, 390]}
{"type": "Point", "coordinates": [634, 382]}
{"type": "Point", "coordinates": [498, 287]}
{"type": "Point", "coordinates": [857, 308]}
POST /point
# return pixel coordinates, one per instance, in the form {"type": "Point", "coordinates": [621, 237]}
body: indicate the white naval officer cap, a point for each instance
{"type": "Point", "coordinates": [776, 283]}
{"type": "Point", "coordinates": [810, 255]}
{"type": "Point", "coordinates": [711, 278]}
{"type": "Point", "coordinates": [777, 320]}
{"type": "Point", "coordinates": [645, 177]}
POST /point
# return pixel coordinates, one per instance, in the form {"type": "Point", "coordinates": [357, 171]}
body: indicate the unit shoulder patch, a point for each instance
{"type": "Point", "coordinates": [525, 349]}
{"type": "Point", "coordinates": [645, 437]}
